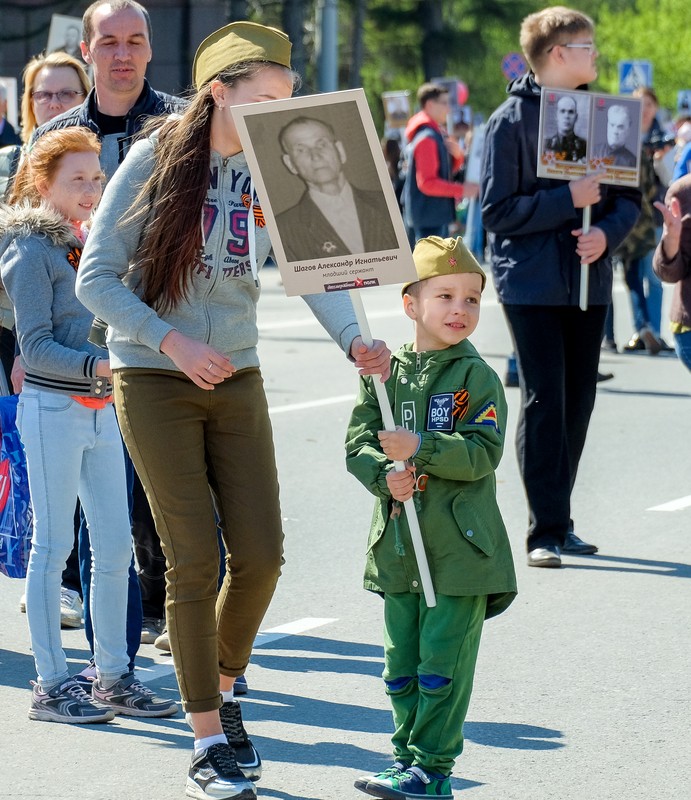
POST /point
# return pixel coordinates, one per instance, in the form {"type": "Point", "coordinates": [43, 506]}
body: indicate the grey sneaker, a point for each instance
{"type": "Point", "coordinates": [132, 699]}
{"type": "Point", "coordinates": [214, 775]}
{"type": "Point", "coordinates": [247, 756]}
{"type": "Point", "coordinates": [67, 702]}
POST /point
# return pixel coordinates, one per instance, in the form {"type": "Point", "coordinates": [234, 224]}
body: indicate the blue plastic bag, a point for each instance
{"type": "Point", "coordinates": [15, 506]}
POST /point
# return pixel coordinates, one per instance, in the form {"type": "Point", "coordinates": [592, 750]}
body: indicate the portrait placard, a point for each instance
{"type": "Point", "coordinates": [585, 132]}
{"type": "Point", "coordinates": [65, 35]}
{"type": "Point", "coordinates": [396, 108]}
{"type": "Point", "coordinates": [325, 192]}
{"type": "Point", "coordinates": [10, 85]}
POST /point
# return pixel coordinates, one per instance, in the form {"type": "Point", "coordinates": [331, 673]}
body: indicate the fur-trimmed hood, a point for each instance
{"type": "Point", "coordinates": [23, 220]}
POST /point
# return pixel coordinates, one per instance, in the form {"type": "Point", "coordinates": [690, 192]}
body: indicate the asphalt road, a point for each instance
{"type": "Point", "coordinates": [582, 687]}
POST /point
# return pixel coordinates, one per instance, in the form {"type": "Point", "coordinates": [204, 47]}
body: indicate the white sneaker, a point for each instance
{"type": "Point", "coordinates": [70, 608]}
{"type": "Point", "coordinates": [151, 629]}
{"type": "Point", "coordinates": [22, 603]}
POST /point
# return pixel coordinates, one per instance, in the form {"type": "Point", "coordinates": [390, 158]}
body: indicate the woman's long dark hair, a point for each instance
{"type": "Point", "coordinates": [172, 198]}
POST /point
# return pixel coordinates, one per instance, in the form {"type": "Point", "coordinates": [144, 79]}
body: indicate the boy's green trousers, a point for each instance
{"type": "Point", "coordinates": [429, 665]}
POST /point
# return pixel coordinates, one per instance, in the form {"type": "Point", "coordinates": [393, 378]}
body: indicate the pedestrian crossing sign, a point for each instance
{"type": "Point", "coordinates": [634, 75]}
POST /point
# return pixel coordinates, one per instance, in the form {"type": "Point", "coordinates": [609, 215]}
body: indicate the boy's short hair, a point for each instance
{"type": "Point", "coordinates": [544, 29]}
{"type": "Point", "coordinates": [430, 91]}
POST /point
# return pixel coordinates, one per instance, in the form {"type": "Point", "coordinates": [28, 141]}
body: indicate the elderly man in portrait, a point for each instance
{"type": "Point", "coordinates": [615, 152]}
{"type": "Point", "coordinates": [71, 44]}
{"type": "Point", "coordinates": [565, 142]}
{"type": "Point", "coordinates": [332, 217]}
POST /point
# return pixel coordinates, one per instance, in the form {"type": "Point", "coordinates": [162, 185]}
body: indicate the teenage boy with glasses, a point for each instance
{"type": "Point", "coordinates": [538, 244]}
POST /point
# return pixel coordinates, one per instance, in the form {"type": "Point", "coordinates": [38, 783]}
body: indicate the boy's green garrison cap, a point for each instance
{"type": "Point", "coordinates": [434, 256]}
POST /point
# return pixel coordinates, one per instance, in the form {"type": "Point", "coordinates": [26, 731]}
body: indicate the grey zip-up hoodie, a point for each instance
{"type": "Point", "coordinates": [39, 255]}
{"type": "Point", "coordinates": [221, 305]}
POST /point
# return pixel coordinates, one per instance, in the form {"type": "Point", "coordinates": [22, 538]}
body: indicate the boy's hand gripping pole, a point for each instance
{"type": "Point", "coordinates": [399, 466]}
{"type": "Point", "coordinates": [585, 268]}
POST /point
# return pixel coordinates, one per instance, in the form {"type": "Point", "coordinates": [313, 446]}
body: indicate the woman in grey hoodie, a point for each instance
{"type": "Point", "coordinates": [66, 420]}
{"type": "Point", "coordinates": [175, 276]}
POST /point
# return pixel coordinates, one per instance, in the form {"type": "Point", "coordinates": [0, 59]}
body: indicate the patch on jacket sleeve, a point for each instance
{"type": "Point", "coordinates": [461, 403]}
{"type": "Point", "coordinates": [440, 412]}
{"type": "Point", "coordinates": [487, 416]}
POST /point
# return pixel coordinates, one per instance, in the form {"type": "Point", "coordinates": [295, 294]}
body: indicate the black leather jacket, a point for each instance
{"type": "Point", "coordinates": [150, 103]}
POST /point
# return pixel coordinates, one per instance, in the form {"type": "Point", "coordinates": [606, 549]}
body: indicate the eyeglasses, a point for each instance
{"type": "Point", "coordinates": [63, 96]}
{"type": "Point", "coordinates": [589, 46]}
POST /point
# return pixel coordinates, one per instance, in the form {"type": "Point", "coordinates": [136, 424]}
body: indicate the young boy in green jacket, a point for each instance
{"type": "Point", "coordinates": [450, 414]}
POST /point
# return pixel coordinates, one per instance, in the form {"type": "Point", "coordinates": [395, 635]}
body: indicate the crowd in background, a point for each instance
{"type": "Point", "coordinates": [665, 157]}
{"type": "Point", "coordinates": [188, 484]}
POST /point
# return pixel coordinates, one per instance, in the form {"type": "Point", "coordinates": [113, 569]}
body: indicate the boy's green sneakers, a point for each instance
{"type": "Point", "coordinates": [414, 783]}
{"type": "Point", "coordinates": [395, 769]}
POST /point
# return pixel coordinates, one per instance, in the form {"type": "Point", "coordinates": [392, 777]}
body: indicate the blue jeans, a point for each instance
{"type": "Point", "coordinates": [682, 344]}
{"type": "Point", "coordinates": [133, 627]}
{"type": "Point", "coordinates": [645, 304]}
{"type": "Point", "coordinates": [75, 451]}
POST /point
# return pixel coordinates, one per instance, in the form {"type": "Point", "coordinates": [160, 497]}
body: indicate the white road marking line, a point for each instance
{"type": "Point", "coordinates": [673, 505]}
{"type": "Point", "coordinates": [311, 320]}
{"type": "Point", "coordinates": [291, 629]}
{"type": "Point", "coordinates": [153, 673]}
{"type": "Point", "coordinates": [265, 327]}
{"type": "Point", "coordinates": [326, 401]}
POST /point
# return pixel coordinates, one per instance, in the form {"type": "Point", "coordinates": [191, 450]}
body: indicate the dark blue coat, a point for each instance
{"type": "Point", "coordinates": [530, 219]}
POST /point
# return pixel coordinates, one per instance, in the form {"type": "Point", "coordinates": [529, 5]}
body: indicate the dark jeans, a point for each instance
{"type": "Point", "coordinates": [7, 349]}
{"type": "Point", "coordinates": [558, 350]}
{"type": "Point", "coordinates": [147, 550]}
{"type": "Point", "coordinates": [70, 575]}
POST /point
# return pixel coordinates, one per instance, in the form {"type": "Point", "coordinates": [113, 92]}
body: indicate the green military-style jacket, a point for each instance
{"type": "Point", "coordinates": [456, 402]}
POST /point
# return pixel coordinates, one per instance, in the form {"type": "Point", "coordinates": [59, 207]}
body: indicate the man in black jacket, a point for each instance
{"type": "Point", "coordinates": [117, 45]}
{"type": "Point", "coordinates": [538, 244]}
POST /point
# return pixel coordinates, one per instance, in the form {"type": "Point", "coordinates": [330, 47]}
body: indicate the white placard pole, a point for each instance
{"type": "Point", "coordinates": [585, 268]}
{"type": "Point", "coordinates": [399, 466]}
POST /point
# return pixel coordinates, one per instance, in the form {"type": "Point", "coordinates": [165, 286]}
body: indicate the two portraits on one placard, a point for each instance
{"type": "Point", "coordinates": [584, 132]}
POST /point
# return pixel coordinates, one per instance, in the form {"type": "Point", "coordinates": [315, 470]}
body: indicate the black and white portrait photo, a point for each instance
{"type": "Point", "coordinates": [616, 132]}
{"type": "Point", "coordinates": [566, 126]}
{"type": "Point", "coordinates": [318, 174]}
{"type": "Point", "coordinates": [563, 134]}
{"type": "Point", "coordinates": [335, 214]}
{"type": "Point", "coordinates": [65, 36]}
